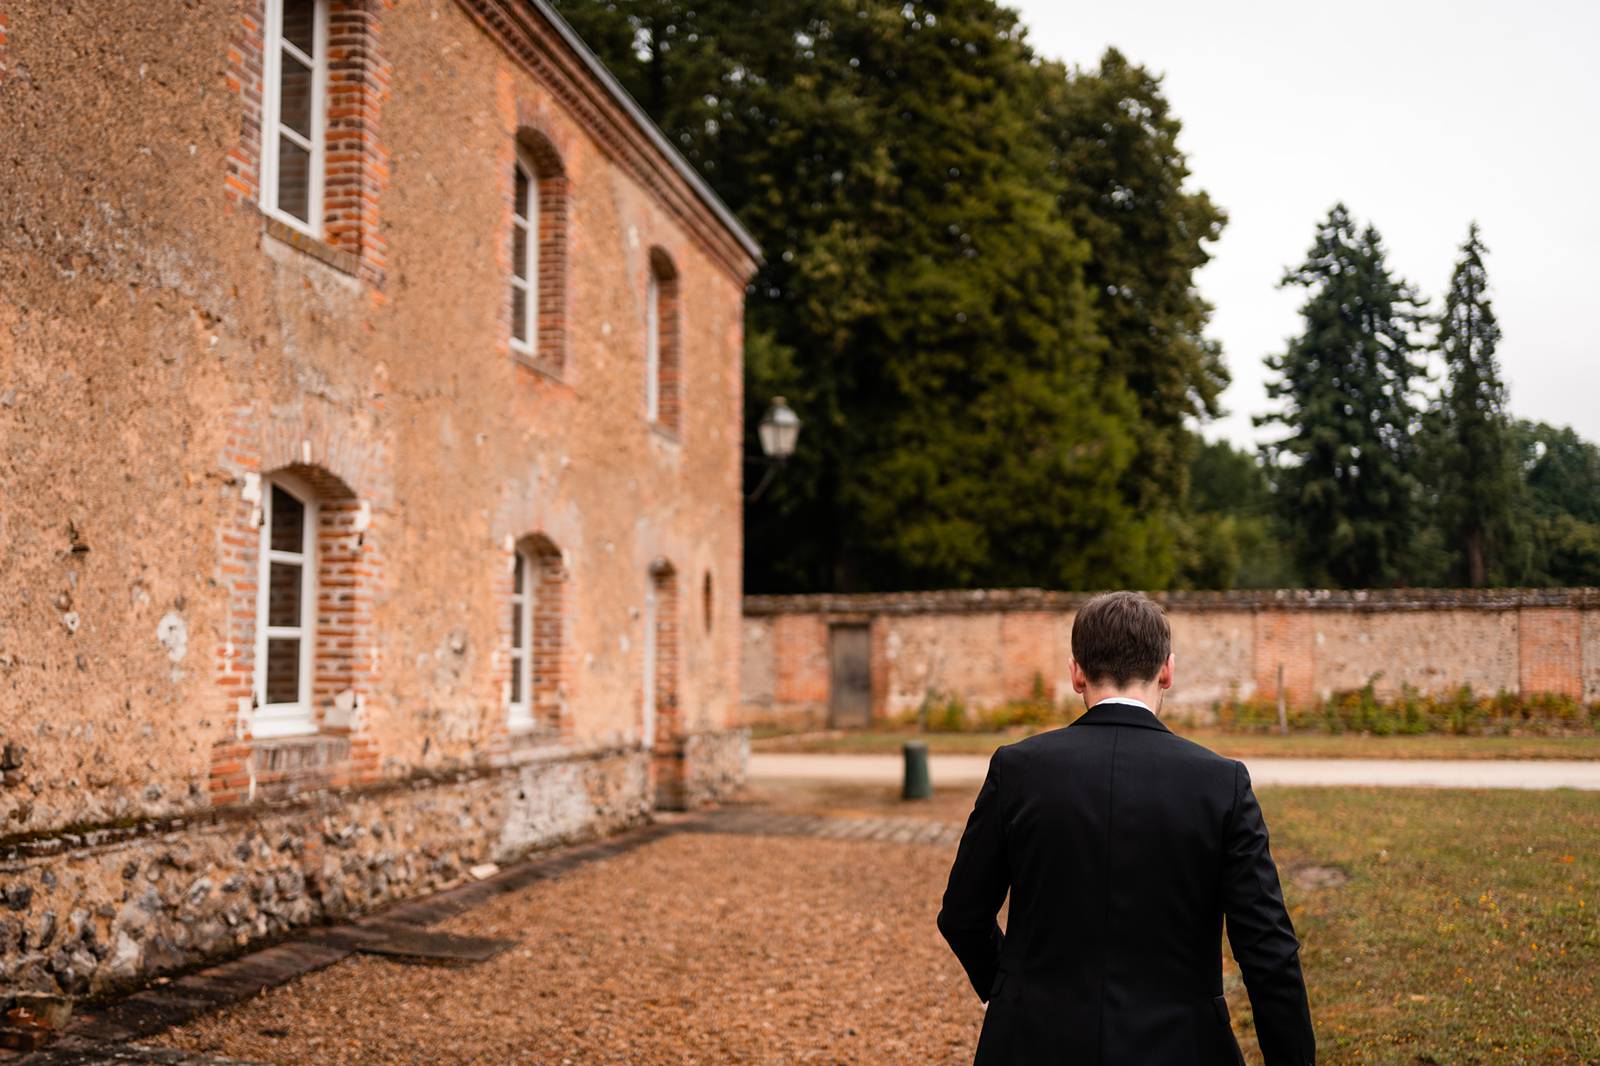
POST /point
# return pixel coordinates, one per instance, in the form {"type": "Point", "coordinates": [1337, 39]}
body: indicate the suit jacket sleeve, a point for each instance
{"type": "Point", "coordinates": [978, 883]}
{"type": "Point", "coordinates": [1261, 935]}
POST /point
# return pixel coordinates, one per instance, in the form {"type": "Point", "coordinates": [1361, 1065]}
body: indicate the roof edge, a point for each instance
{"type": "Point", "coordinates": [686, 171]}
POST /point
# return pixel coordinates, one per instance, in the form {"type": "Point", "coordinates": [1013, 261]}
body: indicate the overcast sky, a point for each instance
{"type": "Point", "coordinates": [1420, 115]}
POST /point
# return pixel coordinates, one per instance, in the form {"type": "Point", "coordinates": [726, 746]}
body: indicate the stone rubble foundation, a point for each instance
{"type": "Point", "coordinates": [88, 911]}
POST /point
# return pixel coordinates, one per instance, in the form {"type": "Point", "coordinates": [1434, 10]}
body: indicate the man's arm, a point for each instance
{"type": "Point", "coordinates": [978, 883]}
{"type": "Point", "coordinates": [1262, 937]}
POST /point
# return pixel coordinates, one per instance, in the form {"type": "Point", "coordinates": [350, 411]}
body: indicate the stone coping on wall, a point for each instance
{"type": "Point", "coordinates": [978, 601]}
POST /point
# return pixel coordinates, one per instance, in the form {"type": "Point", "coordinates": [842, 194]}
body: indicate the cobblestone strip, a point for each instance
{"type": "Point", "coordinates": [754, 821]}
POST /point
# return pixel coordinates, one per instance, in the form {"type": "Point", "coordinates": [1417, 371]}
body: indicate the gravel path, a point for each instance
{"type": "Point", "coordinates": [697, 948]}
{"type": "Point", "coordinates": [952, 770]}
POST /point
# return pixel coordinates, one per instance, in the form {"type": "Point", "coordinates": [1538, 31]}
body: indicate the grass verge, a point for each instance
{"type": "Point", "coordinates": [1234, 745]}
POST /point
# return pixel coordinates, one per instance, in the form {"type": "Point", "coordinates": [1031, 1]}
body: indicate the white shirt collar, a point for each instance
{"type": "Point", "coordinates": [1129, 700]}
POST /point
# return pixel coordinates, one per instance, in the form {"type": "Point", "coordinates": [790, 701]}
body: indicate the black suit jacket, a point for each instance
{"type": "Point", "coordinates": [1123, 847]}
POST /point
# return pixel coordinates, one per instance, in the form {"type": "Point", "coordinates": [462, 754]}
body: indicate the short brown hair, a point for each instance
{"type": "Point", "coordinates": [1121, 637]}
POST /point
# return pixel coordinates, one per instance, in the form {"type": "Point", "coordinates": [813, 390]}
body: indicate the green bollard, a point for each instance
{"type": "Point", "coordinates": [917, 784]}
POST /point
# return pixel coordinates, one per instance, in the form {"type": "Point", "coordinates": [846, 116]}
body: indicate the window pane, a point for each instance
{"type": "Point", "coordinates": [516, 625]}
{"type": "Point", "coordinates": [294, 96]}
{"type": "Point", "coordinates": [294, 179]}
{"type": "Point", "coordinates": [283, 594]}
{"type": "Point", "coordinates": [522, 192]}
{"type": "Point", "coordinates": [519, 251]}
{"type": "Point", "coordinates": [299, 24]}
{"type": "Point", "coordinates": [288, 522]}
{"type": "Point", "coordinates": [283, 670]}
{"type": "Point", "coordinates": [516, 576]}
{"type": "Point", "coordinates": [519, 313]}
{"type": "Point", "coordinates": [516, 679]}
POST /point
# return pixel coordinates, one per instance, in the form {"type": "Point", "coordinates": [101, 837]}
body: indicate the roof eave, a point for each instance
{"type": "Point", "coordinates": [647, 125]}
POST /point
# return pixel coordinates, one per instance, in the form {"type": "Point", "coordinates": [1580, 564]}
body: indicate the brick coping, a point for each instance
{"type": "Point", "coordinates": [102, 1033]}
{"type": "Point", "coordinates": [974, 601]}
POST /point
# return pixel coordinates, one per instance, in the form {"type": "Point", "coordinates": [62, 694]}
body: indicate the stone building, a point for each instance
{"type": "Point", "coordinates": [370, 477]}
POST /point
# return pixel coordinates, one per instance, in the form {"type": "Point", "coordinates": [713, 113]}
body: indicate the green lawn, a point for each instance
{"type": "Point", "coordinates": [1439, 926]}
{"type": "Point", "coordinates": [1466, 929]}
{"type": "Point", "coordinates": [1236, 745]}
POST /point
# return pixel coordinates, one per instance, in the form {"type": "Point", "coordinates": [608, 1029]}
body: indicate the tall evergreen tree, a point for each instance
{"type": "Point", "coordinates": [926, 303]}
{"type": "Point", "coordinates": [1348, 386]}
{"type": "Point", "coordinates": [1480, 480]}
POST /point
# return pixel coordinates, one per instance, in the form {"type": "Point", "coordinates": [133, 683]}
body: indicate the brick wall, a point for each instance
{"type": "Point", "coordinates": [990, 646]}
{"type": "Point", "coordinates": [165, 349]}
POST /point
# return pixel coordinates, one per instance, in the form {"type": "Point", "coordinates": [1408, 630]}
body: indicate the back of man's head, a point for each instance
{"type": "Point", "coordinates": [1121, 637]}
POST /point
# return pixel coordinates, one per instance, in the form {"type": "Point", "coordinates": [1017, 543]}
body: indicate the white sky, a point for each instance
{"type": "Point", "coordinates": [1421, 115]}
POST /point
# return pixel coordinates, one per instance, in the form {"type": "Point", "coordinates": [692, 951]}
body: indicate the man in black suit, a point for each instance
{"type": "Point", "coordinates": [1123, 847]}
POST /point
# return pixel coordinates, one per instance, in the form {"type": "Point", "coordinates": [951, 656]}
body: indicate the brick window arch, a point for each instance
{"type": "Point", "coordinates": [534, 623]}
{"type": "Point", "coordinates": [312, 611]}
{"type": "Point", "coordinates": [661, 312]}
{"type": "Point", "coordinates": [538, 253]}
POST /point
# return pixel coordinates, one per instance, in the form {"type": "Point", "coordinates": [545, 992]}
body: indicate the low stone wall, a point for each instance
{"type": "Point", "coordinates": [90, 909]}
{"type": "Point", "coordinates": [989, 647]}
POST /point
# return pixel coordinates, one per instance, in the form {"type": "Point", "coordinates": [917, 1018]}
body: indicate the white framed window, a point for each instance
{"type": "Point", "coordinates": [286, 596]}
{"type": "Point", "coordinates": [520, 705]}
{"type": "Point", "coordinates": [524, 256]}
{"type": "Point", "coordinates": [649, 709]}
{"type": "Point", "coordinates": [652, 348]}
{"type": "Point", "coordinates": [294, 112]}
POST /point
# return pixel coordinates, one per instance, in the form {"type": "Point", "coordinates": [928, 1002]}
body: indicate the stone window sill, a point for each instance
{"type": "Point", "coordinates": [544, 366]}
{"type": "Point", "coordinates": [305, 750]}
{"type": "Point", "coordinates": [337, 258]}
{"type": "Point", "coordinates": [666, 433]}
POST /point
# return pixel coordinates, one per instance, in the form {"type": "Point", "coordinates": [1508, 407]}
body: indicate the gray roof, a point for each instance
{"type": "Point", "coordinates": [602, 73]}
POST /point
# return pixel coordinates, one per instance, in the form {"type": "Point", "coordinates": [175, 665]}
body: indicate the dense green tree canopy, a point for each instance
{"type": "Point", "coordinates": [978, 289]}
{"type": "Point", "coordinates": [1562, 470]}
{"type": "Point", "coordinates": [1233, 537]}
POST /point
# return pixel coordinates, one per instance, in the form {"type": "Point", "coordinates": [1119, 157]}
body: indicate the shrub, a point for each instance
{"type": "Point", "coordinates": [1460, 711]}
{"type": "Point", "coordinates": [943, 712]}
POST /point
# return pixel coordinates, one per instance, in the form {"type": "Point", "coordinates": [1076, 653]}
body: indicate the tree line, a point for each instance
{"type": "Point", "coordinates": [1376, 483]}
{"type": "Point", "coordinates": [978, 292]}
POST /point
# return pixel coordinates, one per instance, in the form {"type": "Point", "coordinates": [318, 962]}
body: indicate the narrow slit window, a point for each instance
{"type": "Point", "coordinates": [285, 614]}
{"type": "Point", "coordinates": [652, 348]}
{"type": "Point", "coordinates": [662, 376]}
{"type": "Point", "coordinates": [524, 257]}
{"type": "Point", "coordinates": [648, 711]}
{"type": "Point", "coordinates": [520, 714]}
{"type": "Point", "coordinates": [296, 78]}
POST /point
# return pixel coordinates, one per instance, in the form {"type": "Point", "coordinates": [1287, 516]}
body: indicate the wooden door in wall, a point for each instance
{"type": "Point", "coordinates": [849, 676]}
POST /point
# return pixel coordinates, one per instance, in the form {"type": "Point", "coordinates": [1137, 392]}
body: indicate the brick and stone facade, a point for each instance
{"type": "Point", "coordinates": [988, 647]}
{"type": "Point", "coordinates": [168, 351]}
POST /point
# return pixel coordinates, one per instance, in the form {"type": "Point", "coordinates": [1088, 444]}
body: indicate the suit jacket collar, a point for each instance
{"type": "Point", "coordinates": [1120, 714]}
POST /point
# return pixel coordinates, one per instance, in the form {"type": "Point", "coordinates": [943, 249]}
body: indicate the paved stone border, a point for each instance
{"type": "Point", "coordinates": [755, 821]}
{"type": "Point", "coordinates": [103, 1035]}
